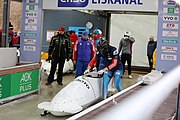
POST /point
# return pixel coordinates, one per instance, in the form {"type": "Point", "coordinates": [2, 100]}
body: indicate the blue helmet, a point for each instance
{"type": "Point", "coordinates": [97, 31]}
{"type": "Point", "coordinates": [85, 33]}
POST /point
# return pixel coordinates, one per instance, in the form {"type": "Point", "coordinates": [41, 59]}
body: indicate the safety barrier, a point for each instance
{"type": "Point", "coordinates": [141, 106]}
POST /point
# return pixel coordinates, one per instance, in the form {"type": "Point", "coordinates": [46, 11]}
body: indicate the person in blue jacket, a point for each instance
{"type": "Point", "coordinates": [110, 65]}
{"type": "Point", "coordinates": [83, 53]}
{"type": "Point", "coordinates": [150, 49]}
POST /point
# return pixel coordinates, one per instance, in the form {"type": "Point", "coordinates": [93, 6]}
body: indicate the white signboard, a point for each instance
{"type": "Point", "coordinates": [29, 41]}
{"type": "Point", "coordinates": [30, 48]}
{"type": "Point", "coordinates": [170, 49]}
{"type": "Point", "coordinates": [170, 18]}
{"type": "Point", "coordinates": [31, 21]}
{"type": "Point", "coordinates": [31, 14]}
{"type": "Point", "coordinates": [168, 57]}
{"type": "Point", "coordinates": [31, 27]}
{"type": "Point", "coordinates": [170, 26]}
{"type": "Point", "coordinates": [170, 33]}
{"type": "Point", "coordinates": [31, 1]}
{"type": "Point", "coordinates": [128, 5]}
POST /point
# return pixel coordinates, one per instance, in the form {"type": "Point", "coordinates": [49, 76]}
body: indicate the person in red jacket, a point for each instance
{"type": "Point", "coordinates": [73, 38]}
{"type": "Point", "coordinates": [10, 35]}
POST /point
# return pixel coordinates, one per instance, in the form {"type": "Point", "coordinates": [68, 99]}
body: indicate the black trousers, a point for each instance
{"type": "Point", "coordinates": [124, 58]}
{"type": "Point", "coordinates": [150, 59]}
{"type": "Point", "coordinates": [54, 62]}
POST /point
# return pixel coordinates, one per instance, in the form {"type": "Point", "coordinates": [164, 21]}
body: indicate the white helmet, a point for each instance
{"type": "Point", "coordinates": [127, 34]}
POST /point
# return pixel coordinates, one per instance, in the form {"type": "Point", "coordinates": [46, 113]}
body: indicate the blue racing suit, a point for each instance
{"type": "Point", "coordinates": [115, 69]}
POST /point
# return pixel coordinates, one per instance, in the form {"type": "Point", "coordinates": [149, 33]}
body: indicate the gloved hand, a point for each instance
{"type": "Point", "coordinates": [49, 58]}
{"type": "Point", "coordinates": [95, 69]}
{"type": "Point", "coordinates": [86, 71]}
{"type": "Point", "coordinates": [101, 71]}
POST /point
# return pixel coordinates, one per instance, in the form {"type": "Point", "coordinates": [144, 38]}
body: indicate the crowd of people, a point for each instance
{"type": "Point", "coordinates": [90, 53]}
{"type": "Point", "coordinates": [13, 37]}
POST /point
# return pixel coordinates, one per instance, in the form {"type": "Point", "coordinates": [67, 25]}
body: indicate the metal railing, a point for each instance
{"type": "Point", "coordinates": [141, 106]}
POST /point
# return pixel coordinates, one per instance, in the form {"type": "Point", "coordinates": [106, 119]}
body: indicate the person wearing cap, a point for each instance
{"type": "Point", "coordinates": [110, 66]}
{"type": "Point", "coordinates": [57, 53]}
{"type": "Point", "coordinates": [150, 49]}
{"type": "Point", "coordinates": [83, 53]}
{"type": "Point", "coordinates": [125, 47]}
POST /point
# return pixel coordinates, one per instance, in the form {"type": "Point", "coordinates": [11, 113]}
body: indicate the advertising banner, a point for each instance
{"type": "Point", "coordinates": [5, 86]}
{"type": "Point", "coordinates": [126, 5]}
{"type": "Point", "coordinates": [24, 82]}
{"type": "Point", "coordinates": [168, 50]}
{"type": "Point", "coordinates": [16, 84]}
{"type": "Point", "coordinates": [30, 46]}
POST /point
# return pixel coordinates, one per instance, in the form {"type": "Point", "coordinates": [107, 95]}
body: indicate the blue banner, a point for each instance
{"type": "Point", "coordinates": [30, 46]}
{"type": "Point", "coordinates": [168, 50]}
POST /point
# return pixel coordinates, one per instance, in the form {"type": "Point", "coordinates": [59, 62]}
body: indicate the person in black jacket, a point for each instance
{"type": "Point", "coordinates": [150, 49]}
{"type": "Point", "coordinates": [58, 51]}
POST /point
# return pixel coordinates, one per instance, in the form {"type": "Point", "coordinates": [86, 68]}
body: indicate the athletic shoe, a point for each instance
{"type": "Point", "coordinates": [129, 76]}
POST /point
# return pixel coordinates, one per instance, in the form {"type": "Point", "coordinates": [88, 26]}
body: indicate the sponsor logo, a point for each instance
{"type": "Point", "coordinates": [170, 33]}
{"type": "Point", "coordinates": [31, 1]}
{"type": "Point", "coordinates": [30, 48]}
{"type": "Point", "coordinates": [29, 41]}
{"type": "Point", "coordinates": [31, 7]}
{"type": "Point", "coordinates": [30, 27]}
{"type": "Point", "coordinates": [170, 26]}
{"type": "Point", "coordinates": [26, 82]}
{"type": "Point", "coordinates": [31, 21]}
{"type": "Point", "coordinates": [171, 10]}
{"type": "Point", "coordinates": [170, 41]}
{"type": "Point", "coordinates": [84, 82]}
{"type": "Point", "coordinates": [72, 3]}
{"type": "Point", "coordinates": [169, 2]}
{"type": "Point", "coordinates": [26, 77]}
{"type": "Point", "coordinates": [31, 14]}
{"type": "Point", "coordinates": [30, 35]}
{"type": "Point", "coordinates": [169, 49]}
{"type": "Point", "coordinates": [168, 57]}
{"type": "Point", "coordinates": [170, 18]}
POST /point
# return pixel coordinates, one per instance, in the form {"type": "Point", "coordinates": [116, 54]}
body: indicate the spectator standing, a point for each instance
{"type": "Point", "coordinates": [125, 47]}
{"type": "Point", "coordinates": [57, 53]}
{"type": "Point", "coordinates": [150, 49]}
{"type": "Point", "coordinates": [83, 53]}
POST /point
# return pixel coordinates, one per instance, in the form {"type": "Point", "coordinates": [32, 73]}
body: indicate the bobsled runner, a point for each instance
{"type": "Point", "coordinates": [76, 96]}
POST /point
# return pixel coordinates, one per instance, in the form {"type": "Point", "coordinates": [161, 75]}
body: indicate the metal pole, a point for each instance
{"type": "Point", "coordinates": [178, 104]}
{"type": "Point", "coordinates": [5, 24]}
{"type": "Point", "coordinates": [108, 21]}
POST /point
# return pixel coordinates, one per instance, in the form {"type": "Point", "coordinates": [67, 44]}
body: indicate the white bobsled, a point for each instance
{"type": "Point", "coordinates": [68, 67]}
{"type": "Point", "coordinates": [77, 95]}
{"type": "Point", "coordinates": [151, 77]}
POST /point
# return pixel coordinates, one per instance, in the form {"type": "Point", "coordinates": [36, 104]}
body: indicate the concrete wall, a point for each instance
{"type": "Point", "coordinates": [15, 14]}
{"type": "Point", "coordinates": [54, 18]}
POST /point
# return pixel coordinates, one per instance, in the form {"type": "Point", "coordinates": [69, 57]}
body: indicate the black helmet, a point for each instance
{"type": "Point", "coordinates": [103, 47]}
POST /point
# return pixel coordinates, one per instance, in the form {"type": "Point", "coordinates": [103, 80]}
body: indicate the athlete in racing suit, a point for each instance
{"type": "Point", "coordinates": [110, 65]}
